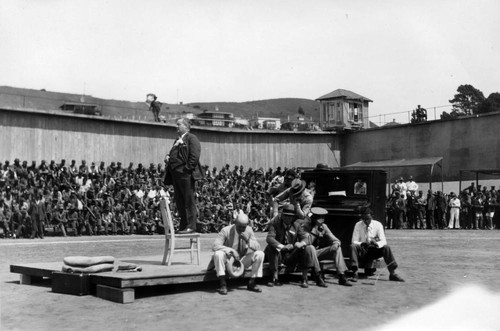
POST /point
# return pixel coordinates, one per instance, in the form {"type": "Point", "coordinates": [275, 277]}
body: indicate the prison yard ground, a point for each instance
{"type": "Point", "coordinates": [451, 283]}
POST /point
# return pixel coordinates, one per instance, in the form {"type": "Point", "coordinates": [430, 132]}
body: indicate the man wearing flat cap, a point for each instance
{"type": "Point", "coordinates": [299, 197]}
{"type": "Point", "coordinates": [327, 246]}
{"type": "Point", "coordinates": [369, 243]}
{"type": "Point", "coordinates": [238, 241]}
{"type": "Point", "coordinates": [287, 243]}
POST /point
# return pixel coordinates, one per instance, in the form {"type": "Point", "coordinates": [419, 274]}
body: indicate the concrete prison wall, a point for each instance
{"type": "Point", "coordinates": [39, 135]}
{"type": "Point", "coordinates": [464, 143]}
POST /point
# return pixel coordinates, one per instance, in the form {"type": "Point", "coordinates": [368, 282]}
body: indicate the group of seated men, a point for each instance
{"type": "Point", "coordinates": [298, 244]}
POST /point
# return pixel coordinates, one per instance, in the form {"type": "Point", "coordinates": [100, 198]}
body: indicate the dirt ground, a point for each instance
{"type": "Point", "coordinates": [451, 283]}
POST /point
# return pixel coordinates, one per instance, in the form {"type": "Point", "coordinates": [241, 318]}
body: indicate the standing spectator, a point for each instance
{"type": "Point", "coordinates": [411, 210]}
{"type": "Point", "coordinates": [38, 216]}
{"type": "Point", "coordinates": [431, 210]}
{"type": "Point", "coordinates": [399, 209]}
{"type": "Point", "coordinates": [412, 186]}
{"type": "Point", "coordinates": [183, 171]}
{"type": "Point", "coordinates": [477, 206]}
{"type": "Point", "coordinates": [390, 207]}
{"type": "Point", "coordinates": [154, 105]}
{"type": "Point", "coordinates": [441, 206]}
{"type": "Point", "coordinates": [466, 210]}
{"type": "Point", "coordinates": [400, 186]}
{"type": "Point", "coordinates": [421, 208]}
{"type": "Point", "coordinates": [454, 205]}
{"type": "Point", "coordinates": [489, 210]}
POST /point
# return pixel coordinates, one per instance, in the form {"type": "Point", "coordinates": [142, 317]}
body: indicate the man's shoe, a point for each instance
{"type": "Point", "coordinates": [222, 290]}
{"type": "Point", "coordinates": [274, 282]}
{"type": "Point", "coordinates": [354, 278]}
{"type": "Point", "coordinates": [186, 231]}
{"type": "Point", "coordinates": [343, 281]}
{"type": "Point", "coordinates": [369, 272]}
{"type": "Point", "coordinates": [320, 282]}
{"type": "Point", "coordinates": [254, 288]}
{"type": "Point", "coordinates": [396, 278]}
{"type": "Point", "coordinates": [304, 284]}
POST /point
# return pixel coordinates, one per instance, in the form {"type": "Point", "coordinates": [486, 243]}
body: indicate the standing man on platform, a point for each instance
{"type": "Point", "coordinates": [183, 169]}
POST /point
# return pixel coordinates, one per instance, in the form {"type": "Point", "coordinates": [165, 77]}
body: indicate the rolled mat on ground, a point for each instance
{"type": "Point", "coordinates": [88, 270]}
{"type": "Point", "coordinates": [87, 261]}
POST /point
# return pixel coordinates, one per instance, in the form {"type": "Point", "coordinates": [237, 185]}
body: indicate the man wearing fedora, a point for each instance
{"type": "Point", "coordinates": [299, 197]}
{"type": "Point", "coordinates": [238, 241]}
{"type": "Point", "coordinates": [154, 105]}
{"type": "Point", "coordinates": [279, 190]}
{"type": "Point", "coordinates": [369, 243]}
{"type": "Point", "coordinates": [327, 246]}
{"type": "Point", "coordinates": [287, 244]}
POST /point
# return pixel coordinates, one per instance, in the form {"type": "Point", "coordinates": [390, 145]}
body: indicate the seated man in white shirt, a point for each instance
{"type": "Point", "coordinates": [369, 243]}
{"type": "Point", "coordinates": [238, 240]}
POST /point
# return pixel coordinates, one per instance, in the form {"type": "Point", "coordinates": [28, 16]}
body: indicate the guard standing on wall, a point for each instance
{"type": "Point", "coordinates": [154, 106]}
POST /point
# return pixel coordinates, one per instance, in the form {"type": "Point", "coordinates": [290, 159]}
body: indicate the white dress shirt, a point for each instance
{"type": "Point", "coordinates": [364, 234]}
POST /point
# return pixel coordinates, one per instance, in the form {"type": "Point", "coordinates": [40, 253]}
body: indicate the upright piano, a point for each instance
{"type": "Point", "coordinates": [344, 193]}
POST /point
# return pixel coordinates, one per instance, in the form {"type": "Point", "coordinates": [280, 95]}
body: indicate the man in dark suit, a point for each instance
{"type": "Point", "coordinates": [183, 169]}
{"type": "Point", "coordinates": [38, 216]}
{"type": "Point", "coordinates": [287, 244]}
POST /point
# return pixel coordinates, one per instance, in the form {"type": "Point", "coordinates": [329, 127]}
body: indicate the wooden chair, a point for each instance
{"type": "Point", "coordinates": [170, 236]}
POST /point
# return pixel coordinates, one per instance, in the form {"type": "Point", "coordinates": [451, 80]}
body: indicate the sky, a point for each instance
{"type": "Point", "coordinates": [398, 53]}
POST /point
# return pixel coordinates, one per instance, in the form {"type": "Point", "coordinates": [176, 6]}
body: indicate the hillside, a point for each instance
{"type": "Point", "coordinates": [281, 108]}
{"type": "Point", "coordinates": [13, 97]}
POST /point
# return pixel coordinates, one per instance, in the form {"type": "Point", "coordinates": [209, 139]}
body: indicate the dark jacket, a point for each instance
{"type": "Point", "coordinates": [277, 232]}
{"type": "Point", "coordinates": [188, 160]}
{"type": "Point", "coordinates": [317, 238]}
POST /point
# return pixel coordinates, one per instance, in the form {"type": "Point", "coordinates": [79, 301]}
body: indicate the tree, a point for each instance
{"type": "Point", "coordinates": [490, 104]}
{"type": "Point", "coordinates": [467, 100]}
{"type": "Point", "coordinates": [301, 111]}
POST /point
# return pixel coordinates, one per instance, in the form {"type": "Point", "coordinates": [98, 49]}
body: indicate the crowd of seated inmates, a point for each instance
{"type": "Point", "coordinates": [99, 199]}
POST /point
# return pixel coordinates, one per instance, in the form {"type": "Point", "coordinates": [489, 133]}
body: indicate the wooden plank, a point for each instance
{"type": "Point", "coordinates": [166, 276]}
{"type": "Point", "coordinates": [120, 295]}
{"type": "Point", "coordinates": [33, 270]}
{"type": "Point", "coordinates": [27, 280]}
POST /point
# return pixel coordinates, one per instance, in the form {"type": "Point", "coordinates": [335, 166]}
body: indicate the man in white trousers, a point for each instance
{"type": "Point", "coordinates": [238, 241]}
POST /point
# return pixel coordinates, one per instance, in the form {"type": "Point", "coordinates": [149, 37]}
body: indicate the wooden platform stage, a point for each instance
{"type": "Point", "coordinates": [119, 286]}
